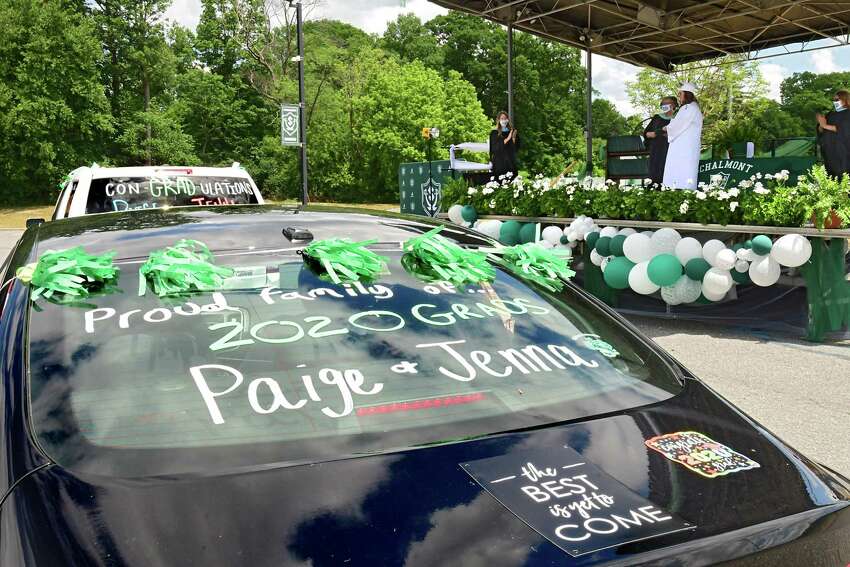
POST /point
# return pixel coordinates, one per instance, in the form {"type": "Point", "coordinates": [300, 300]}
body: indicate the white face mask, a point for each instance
{"type": "Point", "coordinates": [838, 106]}
{"type": "Point", "coordinates": [504, 123]}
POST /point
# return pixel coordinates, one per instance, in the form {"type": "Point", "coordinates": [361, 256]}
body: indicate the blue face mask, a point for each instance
{"type": "Point", "coordinates": [666, 108]}
{"type": "Point", "coordinates": [838, 106]}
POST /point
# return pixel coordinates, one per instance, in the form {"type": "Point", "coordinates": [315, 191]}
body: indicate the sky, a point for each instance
{"type": "Point", "coordinates": [609, 75]}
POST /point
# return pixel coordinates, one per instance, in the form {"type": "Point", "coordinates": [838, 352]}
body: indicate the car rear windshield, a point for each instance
{"type": "Point", "coordinates": [115, 194]}
{"type": "Point", "coordinates": [282, 366]}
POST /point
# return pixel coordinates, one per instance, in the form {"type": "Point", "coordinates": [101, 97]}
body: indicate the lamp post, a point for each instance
{"type": "Point", "coordinates": [302, 118]}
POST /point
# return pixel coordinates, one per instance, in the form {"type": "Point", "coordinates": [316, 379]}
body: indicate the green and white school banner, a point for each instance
{"type": "Point", "coordinates": [421, 186]}
{"type": "Point", "coordinates": [734, 170]}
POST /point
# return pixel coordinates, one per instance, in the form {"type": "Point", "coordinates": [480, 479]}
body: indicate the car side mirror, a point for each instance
{"type": "Point", "coordinates": [34, 222]}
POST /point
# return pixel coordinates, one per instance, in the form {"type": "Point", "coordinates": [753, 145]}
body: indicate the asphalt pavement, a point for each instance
{"type": "Point", "coordinates": [798, 390]}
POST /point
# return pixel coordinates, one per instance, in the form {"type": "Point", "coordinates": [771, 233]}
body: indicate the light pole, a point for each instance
{"type": "Point", "coordinates": [302, 115]}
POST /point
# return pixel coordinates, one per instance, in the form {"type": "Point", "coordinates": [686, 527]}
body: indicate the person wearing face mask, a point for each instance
{"type": "Point", "coordinates": [656, 139]}
{"type": "Point", "coordinates": [684, 133]}
{"type": "Point", "coordinates": [834, 135]}
{"type": "Point", "coordinates": [503, 147]}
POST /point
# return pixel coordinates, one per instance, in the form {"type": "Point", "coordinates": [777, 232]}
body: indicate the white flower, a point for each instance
{"type": "Point", "coordinates": [722, 195]}
{"type": "Point", "coordinates": [587, 202]}
{"type": "Point", "coordinates": [745, 184]}
{"type": "Point", "coordinates": [683, 209]}
{"type": "Point", "coordinates": [487, 190]}
{"type": "Point", "coordinates": [701, 196]}
{"type": "Point", "coordinates": [471, 191]}
{"type": "Point", "coordinates": [733, 205]}
{"type": "Point", "coordinates": [733, 192]}
{"type": "Point", "coordinates": [758, 175]}
{"type": "Point", "coordinates": [492, 204]}
{"type": "Point", "coordinates": [508, 175]}
{"type": "Point", "coordinates": [760, 189]}
{"type": "Point", "coordinates": [768, 176]}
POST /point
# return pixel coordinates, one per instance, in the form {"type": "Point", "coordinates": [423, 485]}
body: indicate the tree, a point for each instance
{"type": "Point", "coordinates": [411, 41]}
{"type": "Point", "coordinates": [607, 120]}
{"type": "Point", "coordinates": [53, 111]}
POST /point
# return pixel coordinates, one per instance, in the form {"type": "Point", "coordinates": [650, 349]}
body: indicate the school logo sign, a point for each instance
{"type": "Point", "coordinates": [432, 197]}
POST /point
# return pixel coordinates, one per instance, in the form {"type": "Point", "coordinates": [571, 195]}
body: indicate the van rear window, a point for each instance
{"type": "Point", "coordinates": [116, 194]}
{"type": "Point", "coordinates": [282, 366]}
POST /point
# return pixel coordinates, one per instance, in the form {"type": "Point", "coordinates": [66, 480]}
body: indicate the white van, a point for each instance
{"type": "Point", "coordinates": [93, 190]}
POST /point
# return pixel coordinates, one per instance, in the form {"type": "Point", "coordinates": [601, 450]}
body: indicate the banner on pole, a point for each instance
{"type": "Point", "coordinates": [290, 133]}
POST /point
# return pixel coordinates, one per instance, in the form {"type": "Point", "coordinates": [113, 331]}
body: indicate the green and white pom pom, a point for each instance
{"type": "Point", "coordinates": [68, 274]}
{"type": "Point", "coordinates": [537, 264]}
{"type": "Point", "coordinates": [432, 257]}
{"type": "Point", "coordinates": [185, 267]}
{"type": "Point", "coordinates": [344, 261]}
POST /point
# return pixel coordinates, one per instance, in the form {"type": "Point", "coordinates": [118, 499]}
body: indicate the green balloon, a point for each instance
{"type": "Point", "coordinates": [509, 233]}
{"type": "Point", "coordinates": [617, 272]}
{"type": "Point", "coordinates": [565, 240]}
{"type": "Point", "coordinates": [603, 246]}
{"type": "Point", "coordinates": [591, 239]}
{"type": "Point", "coordinates": [737, 247]}
{"type": "Point", "coordinates": [617, 244]}
{"type": "Point", "coordinates": [696, 268]}
{"type": "Point", "coordinates": [703, 300]}
{"type": "Point", "coordinates": [468, 213]}
{"type": "Point", "coordinates": [748, 244]}
{"type": "Point", "coordinates": [762, 245]}
{"type": "Point", "coordinates": [740, 277]}
{"type": "Point", "coordinates": [664, 270]}
{"type": "Point", "coordinates": [527, 233]}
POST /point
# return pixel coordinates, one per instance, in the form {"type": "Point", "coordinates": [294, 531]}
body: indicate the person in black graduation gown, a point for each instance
{"type": "Point", "coordinates": [834, 136]}
{"type": "Point", "coordinates": [504, 144]}
{"type": "Point", "coordinates": [656, 139]}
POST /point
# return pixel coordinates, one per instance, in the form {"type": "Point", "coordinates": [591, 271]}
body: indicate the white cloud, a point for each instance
{"type": "Point", "coordinates": [774, 74]}
{"type": "Point", "coordinates": [375, 17]}
{"type": "Point", "coordinates": [185, 12]}
{"type": "Point", "coordinates": [824, 61]}
{"type": "Point", "coordinates": [609, 78]}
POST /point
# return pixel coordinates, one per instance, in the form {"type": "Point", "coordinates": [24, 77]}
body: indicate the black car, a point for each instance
{"type": "Point", "coordinates": [286, 420]}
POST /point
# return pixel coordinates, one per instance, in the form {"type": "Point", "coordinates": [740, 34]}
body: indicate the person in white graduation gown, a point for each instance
{"type": "Point", "coordinates": [684, 134]}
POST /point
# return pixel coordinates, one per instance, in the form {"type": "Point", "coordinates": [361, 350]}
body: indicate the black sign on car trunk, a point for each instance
{"type": "Point", "coordinates": [570, 501]}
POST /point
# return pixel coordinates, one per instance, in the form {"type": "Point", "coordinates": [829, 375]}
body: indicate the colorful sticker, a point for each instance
{"type": "Point", "coordinates": [701, 454]}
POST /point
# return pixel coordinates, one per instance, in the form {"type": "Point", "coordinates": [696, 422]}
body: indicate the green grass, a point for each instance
{"type": "Point", "coordinates": [16, 217]}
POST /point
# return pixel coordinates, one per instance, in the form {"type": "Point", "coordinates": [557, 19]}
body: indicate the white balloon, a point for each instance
{"type": "Point", "coordinates": [710, 250]}
{"type": "Point", "coordinates": [792, 250]}
{"type": "Point", "coordinates": [455, 214]}
{"type": "Point", "coordinates": [545, 244]}
{"type": "Point", "coordinates": [664, 240]}
{"type": "Point", "coordinates": [604, 263]}
{"type": "Point", "coordinates": [596, 258]}
{"type": "Point", "coordinates": [638, 248]}
{"type": "Point", "coordinates": [608, 231]}
{"type": "Point", "coordinates": [742, 266]}
{"type": "Point", "coordinates": [685, 290]}
{"type": "Point", "coordinates": [742, 253]}
{"type": "Point", "coordinates": [639, 280]}
{"type": "Point", "coordinates": [627, 231]}
{"type": "Point", "coordinates": [573, 244]}
{"type": "Point", "coordinates": [717, 282]}
{"type": "Point", "coordinates": [552, 234]}
{"type": "Point", "coordinates": [765, 271]}
{"type": "Point", "coordinates": [648, 233]}
{"type": "Point", "coordinates": [688, 249]}
{"type": "Point", "coordinates": [725, 259]}
{"type": "Point", "coordinates": [490, 228]}
{"type": "Point", "coordinates": [573, 236]}
{"type": "Point", "coordinates": [711, 295]}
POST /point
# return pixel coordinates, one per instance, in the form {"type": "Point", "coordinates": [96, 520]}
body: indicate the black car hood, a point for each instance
{"type": "Point", "coordinates": [418, 507]}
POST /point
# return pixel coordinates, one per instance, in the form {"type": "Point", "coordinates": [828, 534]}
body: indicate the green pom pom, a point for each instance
{"type": "Point", "coordinates": [185, 267]}
{"type": "Point", "coordinates": [740, 277]}
{"type": "Point", "coordinates": [527, 233]}
{"type": "Point", "coordinates": [664, 270]}
{"type": "Point", "coordinates": [748, 244]}
{"type": "Point", "coordinates": [603, 246]}
{"type": "Point", "coordinates": [509, 232]}
{"type": "Point", "coordinates": [539, 265]}
{"type": "Point", "coordinates": [762, 245]}
{"type": "Point", "coordinates": [617, 272]}
{"type": "Point", "coordinates": [434, 258]}
{"type": "Point", "coordinates": [617, 244]}
{"type": "Point", "coordinates": [696, 268]}
{"type": "Point", "coordinates": [737, 247]}
{"type": "Point", "coordinates": [342, 260]}
{"type": "Point", "coordinates": [591, 239]}
{"type": "Point", "coordinates": [68, 274]}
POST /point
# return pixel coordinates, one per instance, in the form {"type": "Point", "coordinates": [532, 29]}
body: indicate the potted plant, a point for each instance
{"type": "Point", "coordinates": [827, 199]}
